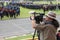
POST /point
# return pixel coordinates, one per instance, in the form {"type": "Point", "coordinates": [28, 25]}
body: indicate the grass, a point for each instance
{"type": "Point", "coordinates": [21, 37]}
{"type": "Point", "coordinates": [28, 36]}
{"type": "Point", "coordinates": [46, 2]}
{"type": "Point", "coordinates": [25, 12]}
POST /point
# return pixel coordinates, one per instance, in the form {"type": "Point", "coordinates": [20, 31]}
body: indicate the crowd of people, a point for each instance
{"type": "Point", "coordinates": [47, 7]}
{"type": "Point", "coordinates": [11, 10]}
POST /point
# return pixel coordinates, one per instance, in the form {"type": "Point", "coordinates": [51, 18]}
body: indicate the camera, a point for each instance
{"type": "Point", "coordinates": [38, 17]}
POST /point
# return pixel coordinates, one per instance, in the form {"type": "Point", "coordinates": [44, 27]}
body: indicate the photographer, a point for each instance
{"type": "Point", "coordinates": [48, 26]}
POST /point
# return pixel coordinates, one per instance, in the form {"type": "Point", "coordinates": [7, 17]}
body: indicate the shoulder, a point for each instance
{"type": "Point", "coordinates": [48, 25]}
{"type": "Point", "coordinates": [55, 23]}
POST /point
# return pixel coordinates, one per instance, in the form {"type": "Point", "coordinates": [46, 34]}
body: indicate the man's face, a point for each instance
{"type": "Point", "coordinates": [48, 18]}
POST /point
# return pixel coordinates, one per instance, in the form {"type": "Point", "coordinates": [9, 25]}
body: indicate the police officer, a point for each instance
{"type": "Point", "coordinates": [1, 13]}
{"type": "Point", "coordinates": [18, 10]}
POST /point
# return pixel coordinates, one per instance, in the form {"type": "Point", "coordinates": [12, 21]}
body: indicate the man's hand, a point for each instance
{"type": "Point", "coordinates": [33, 22]}
{"type": "Point", "coordinates": [32, 18]}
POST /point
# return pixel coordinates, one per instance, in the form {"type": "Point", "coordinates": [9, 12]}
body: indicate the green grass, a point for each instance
{"type": "Point", "coordinates": [46, 2]}
{"type": "Point", "coordinates": [28, 36]}
{"type": "Point", "coordinates": [21, 37]}
{"type": "Point", "coordinates": [25, 12]}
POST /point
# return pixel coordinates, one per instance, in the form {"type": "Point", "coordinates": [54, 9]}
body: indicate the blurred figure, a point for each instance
{"type": "Point", "coordinates": [51, 2]}
{"type": "Point", "coordinates": [58, 35]}
{"type": "Point", "coordinates": [1, 13]}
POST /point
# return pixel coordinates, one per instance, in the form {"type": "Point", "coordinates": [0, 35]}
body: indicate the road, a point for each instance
{"type": "Point", "coordinates": [15, 27]}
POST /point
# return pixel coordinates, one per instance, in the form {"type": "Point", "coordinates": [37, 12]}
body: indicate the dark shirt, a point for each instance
{"type": "Point", "coordinates": [54, 23]}
{"type": "Point", "coordinates": [58, 36]}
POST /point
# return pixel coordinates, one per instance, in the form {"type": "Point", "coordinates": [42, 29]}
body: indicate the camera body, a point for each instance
{"type": "Point", "coordinates": [38, 17]}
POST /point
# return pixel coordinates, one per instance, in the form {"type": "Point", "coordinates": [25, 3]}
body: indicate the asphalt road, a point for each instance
{"type": "Point", "coordinates": [16, 27]}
